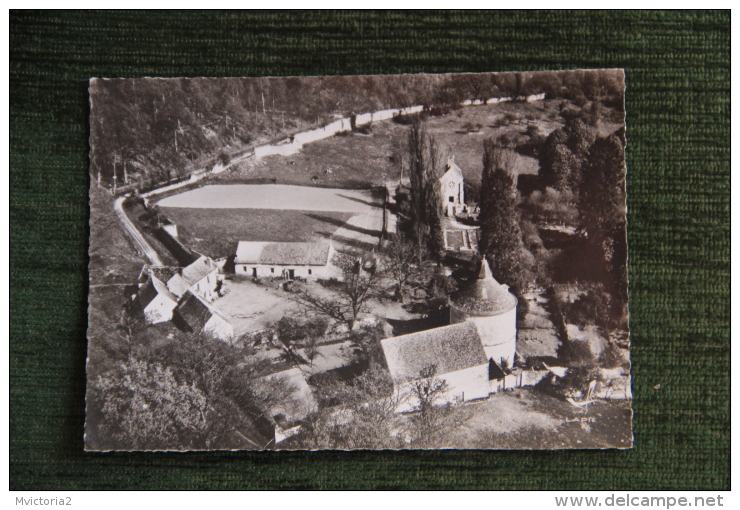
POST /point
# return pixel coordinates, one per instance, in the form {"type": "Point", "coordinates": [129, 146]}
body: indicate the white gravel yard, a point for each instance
{"type": "Point", "coordinates": [274, 196]}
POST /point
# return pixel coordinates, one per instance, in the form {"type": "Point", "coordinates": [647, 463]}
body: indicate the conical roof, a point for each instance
{"type": "Point", "coordinates": [484, 295]}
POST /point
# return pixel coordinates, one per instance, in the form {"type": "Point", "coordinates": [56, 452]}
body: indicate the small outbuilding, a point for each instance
{"type": "Point", "coordinates": [452, 188]}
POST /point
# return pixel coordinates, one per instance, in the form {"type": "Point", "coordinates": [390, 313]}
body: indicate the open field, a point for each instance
{"type": "Point", "coordinates": [216, 232]}
{"type": "Point", "coordinates": [523, 418]}
{"type": "Point", "coordinates": [357, 160]}
{"type": "Point", "coordinates": [274, 196]}
{"type": "Point", "coordinates": [213, 219]}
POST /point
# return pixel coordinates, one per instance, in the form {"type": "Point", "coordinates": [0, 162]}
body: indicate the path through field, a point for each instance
{"type": "Point", "coordinates": [138, 238]}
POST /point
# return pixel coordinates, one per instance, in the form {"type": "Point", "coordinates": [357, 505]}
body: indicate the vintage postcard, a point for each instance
{"type": "Point", "coordinates": [359, 262]}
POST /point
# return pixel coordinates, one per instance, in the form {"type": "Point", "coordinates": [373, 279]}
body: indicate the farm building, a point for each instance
{"type": "Point", "coordinates": [492, 308]}
{"type": "Point", "coordinates": [155, 301]}
{"type": "Point", "coordinates": [295, 403]}
{"type": "Point", "coordinates": [285, 260]}
{"type": "Point", "coordinates": [470, 353]}
{"type": "Point", "coordinates": [195, 314]}
{"type": "Point", "coordinates": [452, 189]}
{"type": "Point", "coordinates": [200, 277]}
{"type": "Point", "coordinates": [455, 352]}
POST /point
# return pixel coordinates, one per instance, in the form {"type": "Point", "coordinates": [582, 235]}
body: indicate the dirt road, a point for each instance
{"type": "Point", "coordinates": [143, 246]}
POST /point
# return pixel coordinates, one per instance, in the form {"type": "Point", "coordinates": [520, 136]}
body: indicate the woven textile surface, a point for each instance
{"type": "Point", "coordinates": [678, 156]}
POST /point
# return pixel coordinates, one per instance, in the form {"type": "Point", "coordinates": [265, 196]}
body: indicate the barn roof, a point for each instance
{"type": "Point", "coordinates": [198, 270]}
{"type": "Point", "coordinates": [151, 289]}
{"type": "Point", "coordinates": [450, 348]}
{"type": "Point", "coordinates": [484, 295]}
{"type": "Point", "coordinates": [164, 273]}
{"type": "Point", "coordinates": [283, 254]}
{"type": "Point", "coordinates": [299, 403]}
{"type": "Point", "coordinates": [195, 312]}
{"type": "Point", "coordinates": [177, 285]}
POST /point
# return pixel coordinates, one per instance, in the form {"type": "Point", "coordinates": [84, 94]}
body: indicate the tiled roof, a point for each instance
{"type": "Point", "coordinates": [198, 270]}
{"type": "Point", "coordinates": [301, 401]}
{"type": "Point", "coordinates": [283, 254]}
{"type": "Point", "coordinates": [151, 289]}
{"type": "Point", "coordinates": [164, 273]}
{"type": "Point", "coordinates": [195, 312]}
{"type": "Point", "coordinates": [177, 285]}
{"type": "Point", "coordinates": [450, 348]}
{"type": "Point", "coordinates": [484, 295]}
{"type": "Point", "coordinates": [162, 288]}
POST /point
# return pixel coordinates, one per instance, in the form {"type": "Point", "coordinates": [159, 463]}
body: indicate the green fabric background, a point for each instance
{"type": "Point", "coordinates": [678, 126]}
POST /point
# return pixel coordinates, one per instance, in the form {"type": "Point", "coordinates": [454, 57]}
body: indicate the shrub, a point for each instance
{"type": "Point", "coordinates": [224, 158]}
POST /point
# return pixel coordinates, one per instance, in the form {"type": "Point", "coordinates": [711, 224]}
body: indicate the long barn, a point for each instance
{"type": "Point", "coordinates": [285, 260]}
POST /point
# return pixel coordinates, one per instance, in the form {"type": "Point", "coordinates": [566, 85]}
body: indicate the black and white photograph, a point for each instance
{"type": "Point", "coordinates": [421, 261]}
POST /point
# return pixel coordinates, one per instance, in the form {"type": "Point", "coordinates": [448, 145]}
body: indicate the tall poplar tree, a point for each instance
{"type": "Point", "coordinates": [426, 200]}
{"type": "Point", "coordinates": [501, 235]}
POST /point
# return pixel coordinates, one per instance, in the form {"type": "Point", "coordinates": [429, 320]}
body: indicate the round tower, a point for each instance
{"type": "Point", "coordinates": [492, 308]}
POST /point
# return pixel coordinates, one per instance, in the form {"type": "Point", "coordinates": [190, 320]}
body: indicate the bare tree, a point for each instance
{"type": "Point", "coordinates": [399, 258]}
{"type": "Point", "coordinates": [364, 417]}
{"type": "Point", "coordinates": [432, 409]}
{"type": "Point", "coordinates": [357, 287]}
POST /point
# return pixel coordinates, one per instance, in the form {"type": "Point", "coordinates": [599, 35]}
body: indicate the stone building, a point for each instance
{"type": "Point", "coordinates": [285, 260]}
{"type": "Point", "coordinates": [452, 188]}
{"type": "Point", "coordinates": [468, 353]}
{"type": "Point", "coordinates": [492, 308]}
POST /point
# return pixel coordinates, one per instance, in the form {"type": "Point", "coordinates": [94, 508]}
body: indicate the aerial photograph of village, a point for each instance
{"type": "Point", "coordinates": [359, 262]}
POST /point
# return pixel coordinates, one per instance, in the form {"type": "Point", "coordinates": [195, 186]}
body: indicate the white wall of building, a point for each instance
{"type": "Point", "coordinates": [276, 271]}
{"type": "Point", "coordinates": [464, 385]}
{"type": "Point", "coordinates": [219, 328]}
{"type": "Point", "coordinates": [159, 309]}
{"type": "Point", "coordinates": [497, 332]}
{"type": "Point", "coordinates": [206, 286]}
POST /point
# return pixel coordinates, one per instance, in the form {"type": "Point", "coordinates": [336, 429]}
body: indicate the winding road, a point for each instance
{"type": "Point", "coordinates": [144, 246]}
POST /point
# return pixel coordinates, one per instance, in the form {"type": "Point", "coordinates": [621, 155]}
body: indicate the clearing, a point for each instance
{"type": "Point", "coordinates": [216, 232]}
{"type": "Point", "coordinates": [358, 160]}
{"type": "Point", "coordinates": [527, 418]}
{"type": "Point", "coordinates": [275, 196]}
{"type": "Point", "coordinates": [213, 219]}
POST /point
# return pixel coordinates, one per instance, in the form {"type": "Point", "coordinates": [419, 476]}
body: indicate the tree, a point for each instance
{"type": "Point", "coordinates": [363, 414]}
{"type": "Point", "coordinates": [551, 206]}
{"type": "Point", "coordinates": [357, 287]}
{"type": "Point", "coordinates": [426, 201]}
{"type": "Point", "coordinates": [501, 236]}
{"type": "Point", "coordinates": [432, 409]}
{"type": "Point", "coordinates": [399, 257]}
{"type": "Point", "coordinates": [190, 392]}
{"type": "Point", "coordinates": [603, 208]}
{"type": "Point", "coordinates": [146, 407]}
{"type": "Point", "coordinates": [565, 153]}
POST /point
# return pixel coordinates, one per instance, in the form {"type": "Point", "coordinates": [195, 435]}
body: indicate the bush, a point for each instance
{"type": "Point", "coordinates": [224, 158]}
